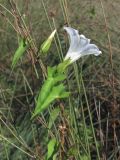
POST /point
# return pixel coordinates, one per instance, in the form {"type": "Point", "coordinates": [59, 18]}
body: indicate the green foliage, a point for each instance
{"type": "Point", "coordinates": [51, 90]}
{"type": "Point", "coordinates": [52, 149]}
{"type": "Point", "coordinates": [23, 45]}
{"type": "Point", "coordinates": [46, 45]}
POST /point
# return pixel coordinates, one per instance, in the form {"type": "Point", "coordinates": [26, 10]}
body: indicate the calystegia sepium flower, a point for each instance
{"type": "Point", "coordinates": [79, 46]}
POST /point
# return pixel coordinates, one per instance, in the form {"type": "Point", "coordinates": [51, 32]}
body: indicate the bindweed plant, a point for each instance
{"type": "Point", "coordinates": [58, 100]}
{"type": "Point", "coordinates": [53, 87]}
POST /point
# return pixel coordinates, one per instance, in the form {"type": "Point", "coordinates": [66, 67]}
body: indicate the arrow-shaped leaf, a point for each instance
{"type": "Point", "coordinates": [50, 90]}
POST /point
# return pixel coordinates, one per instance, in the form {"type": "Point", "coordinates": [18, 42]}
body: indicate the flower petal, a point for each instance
{"type": "Point", "coordinates": [83, 41]}
{"type": "Point", "coordinates": [90, 49]}
{"type": "Point", "coordinates": [74, 37]}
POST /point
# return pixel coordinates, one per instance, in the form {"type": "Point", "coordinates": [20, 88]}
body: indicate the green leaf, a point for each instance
{"type": "Point", "coordinates": [51, 148]}
{"type": "Point", "coordinates": [55, 157]}
{"type": "Point", "coordinates": [51, 71]}
{"type": "Point", "coordinates": [23, 45]}
{"type": "Point", "coordinates": [50, 90]}
{"type": "Point", "coordinates": [56, 92]}
{"type": "Point", "coordinates": [46, 45]}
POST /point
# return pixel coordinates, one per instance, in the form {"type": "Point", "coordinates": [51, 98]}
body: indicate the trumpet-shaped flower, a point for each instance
{"type": "Point", "coordinates": [79, 46]}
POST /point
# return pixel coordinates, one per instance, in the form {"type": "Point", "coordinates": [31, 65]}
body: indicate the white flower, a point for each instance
{"type": "Point", "coordinates": [79, 46]}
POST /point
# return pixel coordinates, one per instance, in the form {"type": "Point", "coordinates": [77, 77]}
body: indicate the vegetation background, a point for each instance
{"type": "Point", "coordinates": [87, 125]}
